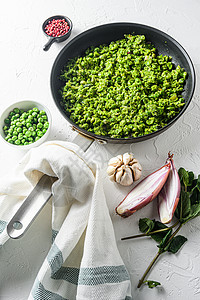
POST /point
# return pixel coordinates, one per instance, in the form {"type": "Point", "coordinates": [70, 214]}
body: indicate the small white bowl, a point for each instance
{"type": "Point", "coordinates": [25, 105]}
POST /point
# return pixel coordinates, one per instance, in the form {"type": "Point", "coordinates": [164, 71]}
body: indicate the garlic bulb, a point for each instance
{"type": "Point", "coordinates": [124, 169]}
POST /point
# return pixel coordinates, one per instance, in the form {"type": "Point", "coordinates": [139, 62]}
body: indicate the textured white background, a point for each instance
{"type": "Point", "coordinates": [24, 74]}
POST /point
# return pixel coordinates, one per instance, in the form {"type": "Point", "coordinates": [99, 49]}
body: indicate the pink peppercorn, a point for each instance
{"type": "Point", "coordinates": [57, 27]}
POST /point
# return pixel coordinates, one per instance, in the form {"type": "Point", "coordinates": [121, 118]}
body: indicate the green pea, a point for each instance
{"type": "Point", "coordinates": [46, 125]}
{"type": "Point", "coordinates": [28, 133]}
{"type": "Point", "coordinates": [10, 130]}
{"type": "Point", "coordinates": [40, 120]}
{"type": "Point", "coordinates": [14, 138]}
{"type": "Point", "coordinates": [44, 117]}
{"type": "Point", "coordinates": [42, 112]}
{"type": "Point", "coordinates": [15, 132]}
{"type": "Point", "coordinates": [39, 125]}
{"type": "Point", "coordinates": [28, 124]}
{"type": "Point", "coordinates": [24, 115]}
{"type": "Point", "coordinates": [20, 136]}
{"type": "Point", "coordinates": [40, 134]}
{"type": "Point", "coordinates": [16, 110]}
{"type": "Point", "coordinates": [11, 114]}
{"type": "Point", "coordinates": [30, 117]}
{"type": "Point", "coordinates": [34, 114]}
{"type": "Point", "coordinates": [17, 142]}
{"type": "Point", "coordinates": [7, 121]}
{"type": "Point", "coordinates": [30, 139]}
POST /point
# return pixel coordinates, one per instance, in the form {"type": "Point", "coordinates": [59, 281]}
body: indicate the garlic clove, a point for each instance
{"type": "Point", "coordinates": [137, 171]}
{"type": "Point", "coordinates": [115, 161]}
{"type": "Point", "coordinates": [133, 161]}
{"type": "Point", "coordinates": [120, 157]}
{"type": "Point", "coordinates": [127, 158]}
{"type": "Point", "coordinates": [111, 170]}
{"type": "Point", "coordinates": [127, 177]}
{"type": "Point", "coordinates": [119, 174]}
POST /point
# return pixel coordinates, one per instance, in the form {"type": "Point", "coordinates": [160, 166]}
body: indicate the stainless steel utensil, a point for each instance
{"type": "Point", "coordinates": [31, 206]}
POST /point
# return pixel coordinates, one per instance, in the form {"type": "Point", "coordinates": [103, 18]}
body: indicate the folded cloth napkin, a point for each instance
{"type": "Point", "coordinates": [83, 262]}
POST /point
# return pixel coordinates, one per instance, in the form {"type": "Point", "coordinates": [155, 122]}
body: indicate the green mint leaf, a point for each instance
{"type": "Point", "coordinates": [146, 225]}
{"type": "Point", "coordinates": [198, 183]}
{"type": "Point", "coordinates": [190, 204]}
{"type": "Point", "coordinates": [190, 178]}
{"type": "Point", "coordinates": [158, 237]}
{"type": "Point", "coordinates": [164, 241]}
{"type": "Point", "coordinates": [186, 204]}
{"type": "Point", "coordinates": [184, 176]}
{"type": "Point", "coordinates": [176, 243]}
{"type": "Point", "coordinates": [152, 283]}
{"type": "Point", "coordinates": [195, 210]}
{"type": "Point", "coordinates": [194, 195]}
{"type": "Point", "coordinates": [183, 210]}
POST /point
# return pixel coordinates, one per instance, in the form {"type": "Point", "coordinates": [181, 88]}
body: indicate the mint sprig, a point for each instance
{"type": "Point", "coordinates": [187, 209]}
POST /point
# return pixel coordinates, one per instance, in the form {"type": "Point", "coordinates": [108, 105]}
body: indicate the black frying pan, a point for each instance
{"type": "Point", "coordinates": [104, 34]}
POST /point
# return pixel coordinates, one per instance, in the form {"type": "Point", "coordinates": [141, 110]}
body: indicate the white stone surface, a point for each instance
{"type": "Point", "coordinates": [25, 72]}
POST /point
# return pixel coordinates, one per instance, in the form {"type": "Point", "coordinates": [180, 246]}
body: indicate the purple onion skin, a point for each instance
{"type": "Point", "coordinates": [148, 195]}
{"type": "Point", "coordinates": [168, 197]}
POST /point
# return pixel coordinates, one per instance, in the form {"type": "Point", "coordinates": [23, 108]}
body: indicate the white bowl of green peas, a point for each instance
{"type": "Point", "coordinates": [25, 124]}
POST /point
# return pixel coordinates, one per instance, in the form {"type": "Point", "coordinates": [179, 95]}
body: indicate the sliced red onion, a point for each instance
{"type": "Point", "coordinates": [144, 192]}
{"type": "Point", "coordinates": [169, 195]}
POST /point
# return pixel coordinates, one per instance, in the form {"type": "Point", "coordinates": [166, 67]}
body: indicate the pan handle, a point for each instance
{"type": "Point", "coordinates": [84, 141]}
{"type": "Point", "coordinates": [31, 207]}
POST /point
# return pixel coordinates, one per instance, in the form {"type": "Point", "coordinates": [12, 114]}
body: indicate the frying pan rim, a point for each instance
{"type": "Point", "coordinates": [132, 139]}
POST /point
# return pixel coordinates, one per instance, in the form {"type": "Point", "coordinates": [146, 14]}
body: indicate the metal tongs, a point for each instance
{"type": "Point", "coordinates": [31, 207]}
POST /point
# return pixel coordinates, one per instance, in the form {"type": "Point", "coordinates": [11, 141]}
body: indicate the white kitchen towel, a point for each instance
{"type": "Point", "coordinates": [83, 262]}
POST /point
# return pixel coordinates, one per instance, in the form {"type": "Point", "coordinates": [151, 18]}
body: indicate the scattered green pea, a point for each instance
{"type": "Point", "coordinates": [25, 127]}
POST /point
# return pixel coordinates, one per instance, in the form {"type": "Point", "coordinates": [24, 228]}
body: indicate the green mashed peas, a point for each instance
{"type": "Point", "coordinates": [123, 89]}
